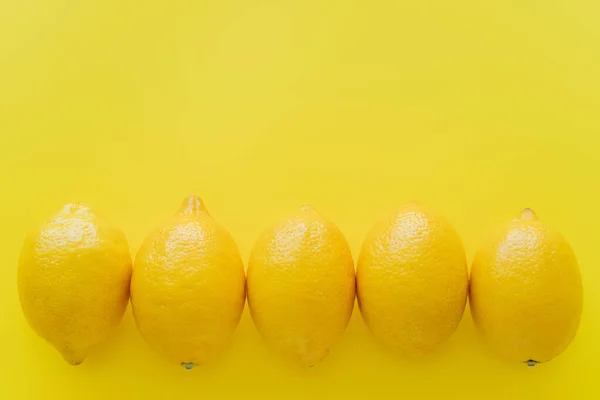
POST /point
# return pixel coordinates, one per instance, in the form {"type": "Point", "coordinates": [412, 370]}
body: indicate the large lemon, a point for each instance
{"type": "Point", "coordinates": [188, 286]}
{"type": "Point", "coordinates": [526, 292]}
{"type": "Point", "coordinates": [412, 280]}
{"type": "Point", "coordinates": [74, 280]}
{"type": "Point", "coordinates": [301, 286]}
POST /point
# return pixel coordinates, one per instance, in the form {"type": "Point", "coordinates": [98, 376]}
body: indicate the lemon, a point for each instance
{"type": "Point", "coordinates": [73, 280]}
{"type": "Point", "coordinates": [188, 286]}
{"type": "Point", "coordinates": [412, 280]}
{"type": "Point", "coordinates": [301, 286]}
{"type": "Point", "coordinates": [526, 291]}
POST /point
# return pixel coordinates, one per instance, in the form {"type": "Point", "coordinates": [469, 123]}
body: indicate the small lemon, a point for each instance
{"type": "Point", "coordinates": [188, 286]}
{"type": "Point", "coordinates": [412, 280]}
{"type": "Point", "coordinates": [74, 280]}
{"type": "Point", "coordinates": [526, 291]}
{"type": "Point", "coordinates": [301, 286]}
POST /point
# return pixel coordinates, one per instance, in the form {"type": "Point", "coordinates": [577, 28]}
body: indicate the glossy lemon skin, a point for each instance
{"type": "Point", "coordinates": [73, 280]}
{"type": "Point", "coordinates": [301, 286]}
{"type": "Point", "coordinates": [526, 293]}
{"type": "Point", "coordinates": [412, 280]}
{"type": "Point", "coordinates": [188, 287]}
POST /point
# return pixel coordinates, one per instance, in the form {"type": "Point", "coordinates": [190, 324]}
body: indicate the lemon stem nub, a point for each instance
{"type": "Point", "coordinates": [531, 363]}
{"type": "Point", "coordinates": [192, 205]}
{"type": "Point", "coordinates": [188, 365]}
{"type": "Point", "coordinates": [528, 213]}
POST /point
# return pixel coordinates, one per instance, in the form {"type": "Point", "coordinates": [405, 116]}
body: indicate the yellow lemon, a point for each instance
{"type": "Point", "coordinates": [412, 280]}
{"type": "Point", "coordinates": [74, 280]}
{"type": "Point", "coordinates": [301, 286]}
{"type": "Point", "coordinates": [188, 286]}
{"type": "Point", "coordinates": [526, 292]}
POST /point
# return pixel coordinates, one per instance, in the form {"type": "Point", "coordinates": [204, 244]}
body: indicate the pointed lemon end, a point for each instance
{"type": "Point", "coordinates": [188, 365]}
{"type": "Point", "coordinates": [192, 205]}
{"type": "Point", "coordinates": [75, 208]}
{"type": "Point", "coordinates": [528, 214]}
{"type": "Point", "coordinates": [73, 357]}
{"type": "Point", "coordinates": [531, 363]}
{"type": "Point", "coordinates": [307, 208]}
{"type": "Point", "coordinates": [412, 205]}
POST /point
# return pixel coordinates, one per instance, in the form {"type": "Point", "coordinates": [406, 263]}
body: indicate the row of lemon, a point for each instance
{"type": "Point", "coordinates": [188, 287]}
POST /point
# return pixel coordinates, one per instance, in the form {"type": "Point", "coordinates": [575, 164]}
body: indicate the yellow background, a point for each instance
{"type": "Point", "coordinates": [477, 108]}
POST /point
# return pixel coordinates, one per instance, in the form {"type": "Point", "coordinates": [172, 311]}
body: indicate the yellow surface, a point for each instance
{"type": "Point", "coordinates": [476, 108]}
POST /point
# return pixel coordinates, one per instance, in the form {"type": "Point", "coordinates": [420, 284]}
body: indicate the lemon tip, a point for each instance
{"type": "Point", "coordinates": [74, 207]}
{"type": "Point", "coordinates": [528, 214]}
{"type": "Point", "coordinates": [192, 205]}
